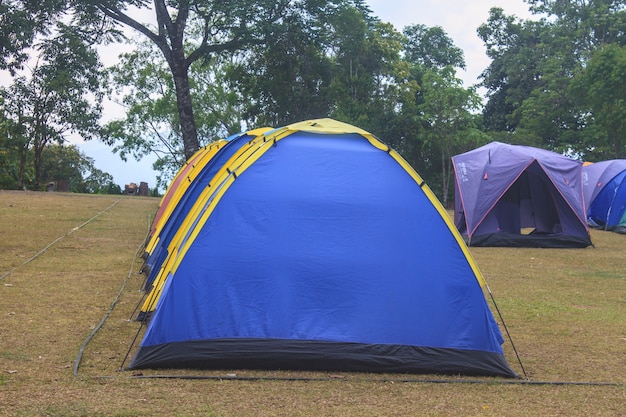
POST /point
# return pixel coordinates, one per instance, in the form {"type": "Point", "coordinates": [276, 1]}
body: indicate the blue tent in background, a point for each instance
{"type": "Point", "coordinates": [604, 185]}
{"type": "Point", "coordinates": [320, 248]}
{"type": "Point", "coordinates": [519, 196]}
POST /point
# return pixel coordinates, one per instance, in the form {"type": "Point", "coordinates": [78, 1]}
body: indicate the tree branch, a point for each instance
{"type": "Point", "coordinates": [121, 17]}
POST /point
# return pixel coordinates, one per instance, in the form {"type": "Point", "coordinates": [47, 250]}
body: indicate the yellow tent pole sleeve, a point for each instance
{"type": "Point", "coordinates": [192, 217]}
{"type": "Point", "coordinates": [197, 216]}
{"type": "Point", "coordinates": [200, 159]}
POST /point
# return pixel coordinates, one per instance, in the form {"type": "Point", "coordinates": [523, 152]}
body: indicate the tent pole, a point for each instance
{"type": "Point", "coordinates": [507, 331]}
{"type": "Point", "coordinates": [132, 344]}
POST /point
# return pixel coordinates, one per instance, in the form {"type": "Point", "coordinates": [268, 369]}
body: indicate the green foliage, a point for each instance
{"type": "Point", "coordinates": [211, 68]}
{"type": "Point", "coordinates": [431, 47]}
{"type": "Point", "coordinates": [435, 116]}
{"type": "Point", "coordinates": [20, 22]}
{"type": "Point", "coordinates": [64, 163]}
{"type": "Point", "coordinates": [185, 32]}
{"type": "Point", "coordinates": [601, 86]}
{"type": "Point", "coordinates": [99, 182]}
{"type": "Point", "coordinates": [67, 163]}
{"type": "Point", "coordinates": [539, 81]}
{"type": "Point", "coordinates": [151, 124]}
{"type": "Point", "coordinates": [145, 88]}
{"type": "Point", "coordinates": [197, 31]}
{"type": "Point", "coordinates": [61, 95]}
{"type": "Point", "coordinates": [364, 52]}
{"type": "Point", "coordinates": [513, 47]}
{"type": "Point", "coordinates": [288, 79]}
{"type": "Point", "coordinates": [448, 110]}
{"type": "Point", "coordinates": [59, 163]}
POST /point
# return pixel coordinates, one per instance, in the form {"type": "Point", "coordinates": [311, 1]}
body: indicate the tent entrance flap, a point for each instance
{"type": "Point", "coordinates": [527, 207]}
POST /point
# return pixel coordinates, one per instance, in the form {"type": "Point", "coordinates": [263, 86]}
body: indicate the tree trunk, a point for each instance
{"type": "Point", "coordinates": [37, 150]}
{"type": "Point", "coordinates": [444, 176]}
{"type": "Point", "coordinates": [22, 170]}
{"type": "Point", "coordinates": [616, 139]}
{"type": "Point", "coordinates": [185, 110]}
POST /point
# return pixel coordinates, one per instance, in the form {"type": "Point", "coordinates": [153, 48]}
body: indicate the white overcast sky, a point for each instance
{"type": "Point", "coordinates": [459, 19]}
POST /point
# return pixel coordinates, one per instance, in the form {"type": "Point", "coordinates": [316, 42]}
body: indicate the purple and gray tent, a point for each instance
{"type": "Point", "coordinates": [604, 185]}
{"type": "Point", "coordinates": [519, 196]}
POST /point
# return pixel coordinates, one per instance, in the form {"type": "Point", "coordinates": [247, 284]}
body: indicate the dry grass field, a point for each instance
{"type": "Point", "coordinates": [68, 263]}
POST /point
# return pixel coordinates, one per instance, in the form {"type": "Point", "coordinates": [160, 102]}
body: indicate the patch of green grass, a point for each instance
{"type": "Point", "coordinates": [75, 411]}
{"type": "Point", "coordinates": [601, 274]}
{"type": "Point", "coordinates": [12, 355]}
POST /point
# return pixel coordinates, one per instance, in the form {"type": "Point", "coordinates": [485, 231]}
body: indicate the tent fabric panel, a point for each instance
{"type": "Point", "coordinates": [258, 244]}
{"type": "Point", "coordinates": [566, 175]}
{"type": "Point", "coordinates": [187, 201]}
{"type": "Point", "coordinates": [609, 204]}
{"type": "Point", "coordinates": [552, 209]}
{"type": "Point", "coordinates": [483, 176]}
{"type": "Point", "coordinates": [320, 356]}
{"type": "Point", "coordinates": [183, 180]}
{"type": "Point", "coordinates": [619, 201]}
{"type": "Point", "coordinates": [269, 141]}
{"type": "Point", "coordinates": [202, 208]}
{"type": "Point", "coordinates": [598, 174]}
{"type": "Point", "coordinates": [171, 189]}
{"type": "Point", "coordinates": [532, 201]}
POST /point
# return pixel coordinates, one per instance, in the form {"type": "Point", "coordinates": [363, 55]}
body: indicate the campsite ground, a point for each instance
{"type": "Point", "coordinates": [66, 260]}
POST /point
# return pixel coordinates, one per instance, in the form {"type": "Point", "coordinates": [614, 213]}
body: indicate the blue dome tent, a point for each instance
{"type": "Point", "coordinates": [604, 185]}
{"type": "Point", "coordinates": [319, 248]}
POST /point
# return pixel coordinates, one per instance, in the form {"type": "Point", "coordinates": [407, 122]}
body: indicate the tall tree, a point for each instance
{"type": "Point", "coordinates": [364, 52]}
{"type": "Point", "coordinates": [602, 88]}
{"type": "Point", "coordinates": [577, 30]}
{"type": "Point", "coordinates": [434, 111]}
{"type": "Point", "coordinates": [14, 143]}
{"type": "Point", "coordinates": [184, 31]}
{"type": "Point", "coordinates": [188, 31]}
{"type": "Point", "coordinates": [288, 79]}
{"type": "Point", "coordinates": [60, 97]}
{"type": "Point", "coordinates": [431, 47]}
{"type": "Point", "coordinates": [534, 63]}
{"type": "Point", "coordinates": [449, 112]}
{"type": "Point", "coordinates": [515, 49]}
{"type": "Point", "coordinates": [144, 86]}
